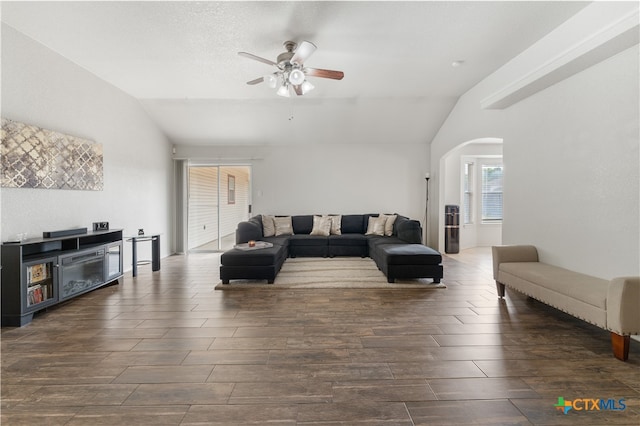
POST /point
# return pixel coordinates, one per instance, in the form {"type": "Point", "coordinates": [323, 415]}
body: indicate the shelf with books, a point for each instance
{"type": "Point", "coordinates": [40, 277]}
{"type": "Point", "coordinates": [39, 283]}
{"type": "Point", "coordinates": [38, 272]}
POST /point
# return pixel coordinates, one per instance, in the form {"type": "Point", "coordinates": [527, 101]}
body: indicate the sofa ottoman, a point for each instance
{"type": "Point", "coordinates": [260, 264]}
{"type": "Point", "coordinates": [408, 261]}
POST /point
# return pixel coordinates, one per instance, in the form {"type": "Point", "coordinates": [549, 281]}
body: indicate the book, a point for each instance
{"type": "Point", "coordinates": [37, 273]}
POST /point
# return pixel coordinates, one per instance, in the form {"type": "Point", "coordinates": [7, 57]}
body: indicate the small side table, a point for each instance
{"type": "Point", "coordinates": [155, 252]}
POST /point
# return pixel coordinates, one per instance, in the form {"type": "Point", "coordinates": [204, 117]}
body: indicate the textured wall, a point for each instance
{"type": "Point", "coordinates": [572, 155]}
{"type": "Point", "coordinates": [570, 151]}
{"type": "Point", "coordinates": [331, 177]}
{"type": "Point", "coordinates": [42, 88]}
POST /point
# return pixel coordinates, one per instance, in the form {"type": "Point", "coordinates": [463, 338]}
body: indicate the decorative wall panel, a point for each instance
{"type": "Point", "coordinates": [32, 157]}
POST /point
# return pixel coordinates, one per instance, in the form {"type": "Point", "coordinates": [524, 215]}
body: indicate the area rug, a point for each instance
{"type": "Point", "coordinates": [340, 272]}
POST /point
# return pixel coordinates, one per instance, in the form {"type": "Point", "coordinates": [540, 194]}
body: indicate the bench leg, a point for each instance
{"type": "Point", "coordinates": [225, 281]}
{"type": "Point", "coordinates": [500, 288]}
{"type": "Point", "coordinates": [620, 346]}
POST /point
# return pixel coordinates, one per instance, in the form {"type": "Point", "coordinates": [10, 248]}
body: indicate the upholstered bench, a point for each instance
{"type": "Point", "coordinates": [409, 261]}
{"type": "Point", "coordinates": [259, 264]}
{"type": "Point", "coordinates": [610, 304]}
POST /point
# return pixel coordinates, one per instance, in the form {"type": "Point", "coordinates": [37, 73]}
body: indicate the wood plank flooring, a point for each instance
{"type": "Point", "coordinates": [165, 348]}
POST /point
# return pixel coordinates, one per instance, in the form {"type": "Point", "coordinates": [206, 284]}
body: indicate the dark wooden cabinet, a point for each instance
{"type": "Point", "coordinates": [40, 272]}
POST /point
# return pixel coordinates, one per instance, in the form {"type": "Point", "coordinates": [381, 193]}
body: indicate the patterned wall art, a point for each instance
{"type": "Point", "coordinates": [33, 157]}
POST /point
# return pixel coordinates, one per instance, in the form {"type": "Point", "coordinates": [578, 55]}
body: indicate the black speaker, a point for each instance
{"type": "Point", "coordinates": [64, 233]}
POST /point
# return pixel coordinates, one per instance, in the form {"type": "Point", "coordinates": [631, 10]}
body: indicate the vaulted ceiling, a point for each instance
{"type": "Point", "coordinates": [179, 59]}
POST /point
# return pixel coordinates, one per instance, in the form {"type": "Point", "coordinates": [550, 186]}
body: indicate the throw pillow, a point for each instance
{"type": "Point", "coordinates": [283, 225]}
{"type": "Point", "coordinates": [388, 225]}
{"type": "Point", "coordinates": [336, 224]}
{"type": "Point", "coordinates": [268, 226]}
{"type": "Point", "coordinates": [321, 226]}
{"type": "Point", "coordinates": [376, 225]}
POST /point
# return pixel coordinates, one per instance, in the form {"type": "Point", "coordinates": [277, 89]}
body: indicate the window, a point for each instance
{"type": "Point", "coordinates": [467, 202]}
{"type": "Point", "coordinates": [491, 193]}
{"type": "Point", "coordinates": [231, 189]}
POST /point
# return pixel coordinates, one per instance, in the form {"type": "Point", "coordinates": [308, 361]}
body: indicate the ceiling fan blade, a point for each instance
{"type": "Point", "coordinates": [256, 58]}
{"type": "Point", "coordinates": [302, 52]}
{"type": "Point", "coordinates": [298, 90]}
{"type": "Point", "coordinates": [317, 72]}
{"type": "Point", "coordinates": [256, 81]}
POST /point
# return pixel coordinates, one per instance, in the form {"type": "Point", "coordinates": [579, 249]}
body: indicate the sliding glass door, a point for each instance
{"type": "Point", "coordinates": [218, 198]}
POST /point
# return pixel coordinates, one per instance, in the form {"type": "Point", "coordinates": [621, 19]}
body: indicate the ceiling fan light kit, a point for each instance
{"type": "Point", "coordinates": [307, 87]}
{"type": "Point", "coordinates": [283, 91]}
{"type": "Point", "coordinates": [271, 80]}
{"type": "Point", "coordinates": [296, 77]}
{"type": "Point", "coordinates": [291, 71]}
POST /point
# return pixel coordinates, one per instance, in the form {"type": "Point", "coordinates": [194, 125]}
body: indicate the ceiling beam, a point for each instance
{"type": "Point", "coordinates": [612, 39]}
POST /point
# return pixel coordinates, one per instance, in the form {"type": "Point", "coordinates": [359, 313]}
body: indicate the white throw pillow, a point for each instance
{"type": "Point", "coordinates": [283, 225]}
{"type": "Point", "coordinates": [336, 224]}
{"type": "Point", "coordinates": [388, 225]}
{"type": "Point", "coordinates": [376, 225]}
{"type": "Point", "coordinates": [268, 226]}
{"type": "Point", "coordinates": [321, 226]}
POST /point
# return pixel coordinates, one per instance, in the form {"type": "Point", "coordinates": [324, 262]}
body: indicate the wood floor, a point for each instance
{"type": "Point", "coordinates": [166, 348]}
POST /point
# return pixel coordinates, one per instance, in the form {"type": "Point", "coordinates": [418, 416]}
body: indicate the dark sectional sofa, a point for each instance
{"type": "Point", "coordinates": [401, 255]}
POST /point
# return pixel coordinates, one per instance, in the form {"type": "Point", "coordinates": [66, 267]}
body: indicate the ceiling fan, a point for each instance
{"type": "Point", "coordinates": [291, 72]}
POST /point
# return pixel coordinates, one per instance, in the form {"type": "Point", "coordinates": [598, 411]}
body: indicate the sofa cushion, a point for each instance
{"type": "Point", "coordinates": [376, 240]}
{"type": "Point", "coordinates": [353, 224]}
{"type": "Point", "coordinates": [302, 224]}
{"type": "Point", "coordinates": [321, 226]}
{"type": "Point", "coordinates": [348, 240]}
{"type": "Point", "coordinates": [283, 225]}
{"type": "Point", "coordinates": [408, 230]}
{"type": "Point", "coordinates": [282, 240]}
{"type": "Point", "coordinates": [256, 220]}
{"type": "Point", "coordinates": [409, 254]}
{"type": "Point", "coordinates": [399, 219]}
{"type": "Point", "coordinates": [249, 230]}
{"type": "Point", "coordinates": [307, 240]}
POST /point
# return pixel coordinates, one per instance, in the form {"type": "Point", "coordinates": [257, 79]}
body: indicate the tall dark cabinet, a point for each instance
{"type": "Point", "coordinates": [41, 272]}
{"type": "Point", "coordinates": [451, 229]}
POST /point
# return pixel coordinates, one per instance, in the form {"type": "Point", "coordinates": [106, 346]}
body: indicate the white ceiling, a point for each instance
{"type": "Point", "coordinates": [180, 60]}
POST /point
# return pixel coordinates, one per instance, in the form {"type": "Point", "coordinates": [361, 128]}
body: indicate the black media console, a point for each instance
{"type": "Point", "coordinates": [41, 272]}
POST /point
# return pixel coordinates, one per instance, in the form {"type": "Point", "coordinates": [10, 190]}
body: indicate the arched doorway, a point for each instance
{"type": "Point", "coordinates": [468, 179]}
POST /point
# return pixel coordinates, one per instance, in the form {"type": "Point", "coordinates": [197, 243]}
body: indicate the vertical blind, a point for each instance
{"type": "Point", "coordinates": [491, 193]}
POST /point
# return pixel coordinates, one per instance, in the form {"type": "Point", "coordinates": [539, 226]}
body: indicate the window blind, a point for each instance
{"type": "Point", "coordinates": [492, 193]}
